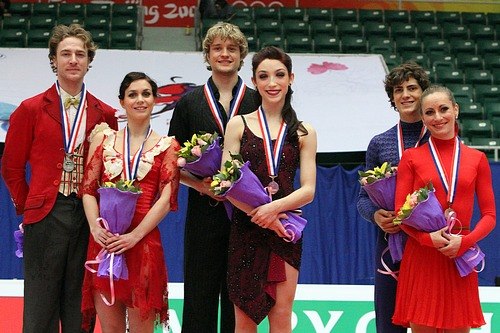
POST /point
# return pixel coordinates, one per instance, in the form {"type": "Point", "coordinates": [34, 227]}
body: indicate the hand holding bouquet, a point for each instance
{"type": "Point", "coordinates": [423, 211]}
{"type": "Point", "coordinates": [201, 155]}
{"type": "Point", "coordinates": [238, 182]}
{"type": "Point", "coordinates": [380, 185]}
{"type": "Point", "coordinates": [117, 203]}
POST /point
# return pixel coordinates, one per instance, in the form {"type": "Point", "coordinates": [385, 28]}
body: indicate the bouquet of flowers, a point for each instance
{"type": "Point", "coordinates": [240, 183]}
{"type": "Point", "coordinates": [380, 185]}
{"type": "Point", "coordinates": [19, 238]}
{"type": "Point", "coordinates": [423, 211]}
{"type": "Point", "coordinates": [116, 207]}
{"type": "Point", "coordinates": [201, 155]}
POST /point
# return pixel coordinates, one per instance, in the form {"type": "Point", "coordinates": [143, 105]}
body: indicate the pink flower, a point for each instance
{"type": "Point", "coordinates": [196, 151]}
{"type": "Point", "coordinates": [181, 162]}
{"type": "Point", "coordinates": [201, 142]}
{"type": "Point", "coordinates": [225, 183]}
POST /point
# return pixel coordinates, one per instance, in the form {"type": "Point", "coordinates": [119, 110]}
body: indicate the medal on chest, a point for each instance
{"type": "Point", "coordinates": [272, 151]}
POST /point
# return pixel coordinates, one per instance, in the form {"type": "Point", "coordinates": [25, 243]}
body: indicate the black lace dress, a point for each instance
{"type": "Point", "coordinates": [257, 256]}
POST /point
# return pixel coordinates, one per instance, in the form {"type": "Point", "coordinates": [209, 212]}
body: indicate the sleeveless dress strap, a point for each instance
{"type": "Point", "coordinates": [244, 120]}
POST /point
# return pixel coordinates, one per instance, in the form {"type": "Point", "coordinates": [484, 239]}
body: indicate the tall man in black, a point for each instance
{"type": "Point", "coordinates": [208, 108]}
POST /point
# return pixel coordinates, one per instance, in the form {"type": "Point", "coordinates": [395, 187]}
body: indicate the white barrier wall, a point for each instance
{"type": "Point", "coordinates": [341, 95]}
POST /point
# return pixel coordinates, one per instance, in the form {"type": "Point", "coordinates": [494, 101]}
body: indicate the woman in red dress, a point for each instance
{"type": "Point", "coordinates": [143, 296]}
{"type": "Point", "coordinates": [432, 297]}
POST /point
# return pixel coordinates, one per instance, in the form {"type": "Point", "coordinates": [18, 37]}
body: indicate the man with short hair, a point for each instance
{"type": "Point", "coordinates": [208, 108]}
{"type": "Point", "coordinates": [49, 132]}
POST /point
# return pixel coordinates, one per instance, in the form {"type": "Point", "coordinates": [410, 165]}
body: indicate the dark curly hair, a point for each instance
{"type": "Point", "coordinates": [402, 73]}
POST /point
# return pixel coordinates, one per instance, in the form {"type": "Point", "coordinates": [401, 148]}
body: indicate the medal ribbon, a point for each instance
{"type": "Point", "coordinates": [233, 107]}
{"type": "Point", "coordinates": [131, 165]}
{"type": "Point", "coordinates": [70, 131]}
{"type": "Point", "coordinates": [401, 145]}
{"type": "Point", "coordinates": [449, 184]}
{"type": "Point", "coordinates": [273, 154]}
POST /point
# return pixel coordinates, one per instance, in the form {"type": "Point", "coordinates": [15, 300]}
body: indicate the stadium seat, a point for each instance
{"type": "Point", "coordinates": [45, 9]}
{"type": "Point", "coordinates": [462, 46]}
{"type": "Point", "coordinates": [98, 9]}
{"type": "Point", "coordinates": [341, 14]}
{"type": "Point", "coordinates": [383, 42]}
{"type": "Point", "coordinates": [448, 17]}
{"type": "Point", "coordinates": [323, 28]}
{"type": "Point", "coordinates": [485, 93]}
{"type": "Point", "coordinates": [38, 38]}
{"type": "Point", "coordinates": [294, 27]}
{"type": "Point", "coordinates": [392, 61]}
{"type": "Point", "coordinates": [124, 10]}
{"type": "Point", "coordinates": [121, 39]}
{"type": "Point", "coordinates": [418, 16]}
{"type": "Point", "coordinates": [481, 31]}
{"type": "Point", "coordinates": [455, 31]}
{"type": "Point", "coordinates": [353, 44]}
{"type": "Point", "coordinates": [252, 43]}
{"type": "Point", "coordinates": [478, 76]}
{"type": "Point", "coordinates": [442, 61]}
{"type": "Point", "coordinates": [370, 15]}
{"type": "Point", "coordinates": [20, 9]}
{"type": "Point", "coordinates": [486, 142]}
{"type": "Point", "coordinates": [405, 44]}
{"type": "Point", "coordinates": [72, 9]}
{"type": "Point", "coordinates": [271, 40]}
{"type": "Point", "coordinates": [247, 26]}
{"type": "Point", "coordinates": [485, 47]}
{"type": "Point", "coordinates": [268, 26]}
{"type": "Point", "coordinates": [319, 14]}
{"type": "Point", "coordinates": [346, 28]}
{"type": "Point", "coordinates": [466, 61]}
{"type": "Point", "coordinates": [241, 12]}
{"type": "Point", "coordinates": [97, 23]}
{"type": "Point", "coordinates": [15, 23]}
{"type": "Point", "coordinates": [12, 38]}
{"type": "Point", "coordinates": [206, 24]}
{"type": "Point", "coordinates": [292, 13]}
{"type": "Point", "coordinates": [101, 38]}
{"type": "Point", "coordinates": [496, 73]}
{"type": "Point", "coordinates": [420, 58]}
{"type": "Point", "coordinates": [436, 46]}
{"type": "Point", "coordinates": [391, 16]}
{"type": "Point", "coordinates": [476, 128]}
{"type": "Point", "coordinates": [271, 13]}
{"type": "Point", "coordinates": [446, 76]}
{"type": "Point", "coordinates": [43, 22]}
{"type": "Point", "coordinates": [492, 110]}
{"type": "Point", "coordinates": [124, 23]}
{"type": "Point", "coordinates": [462, 90]}
{"type": "Point", "coordinates": [429, 30]}
{"type": "Point", "coordinates": [471, 111]}
{"type": "Point", "coordinates": [299, 44]}
{"type": "Point", "coordinates": [469, 18]}
{"type": "Point", "coordinates": [382, 49]}
{"type": "Point", "coordinates": [376, 29]}
{"type": "Point", "coordinates": [493, 19]}
{"type": "Point", "coordinates": [326, 44]}
{"type": "Point", "coordinates": [68, 20]}
{"type": "Point", "coordinates": [400, 30]}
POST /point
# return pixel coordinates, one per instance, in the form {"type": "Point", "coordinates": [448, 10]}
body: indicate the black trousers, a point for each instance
{"type": "Point", "coordinates": [54, 254]}
{"type": "Point", "coordinates": [205, 268]}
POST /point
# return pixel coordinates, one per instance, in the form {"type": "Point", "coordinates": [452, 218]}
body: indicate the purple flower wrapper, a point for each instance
{"type": "Point", "coordinates": [208, 163]}
{"type": "Point", "coordinates": [117, 208]}
{"type": "Point", "coordinates": [468, 262]}
{"type": "Point", "coordinates": [19, 238]}
{"type": "Point", "coordinates": [248, 189]}
{"type": "Point", "coordinates": [382, 192]}
{"type": "Point", "coordinates": [428, 216]}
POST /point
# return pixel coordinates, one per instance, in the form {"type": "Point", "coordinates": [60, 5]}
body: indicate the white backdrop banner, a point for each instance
{"type": "Point", "coordinates": [342, 96]}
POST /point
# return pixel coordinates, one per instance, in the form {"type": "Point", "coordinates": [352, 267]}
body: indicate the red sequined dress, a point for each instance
{"type": "Point", "coordinates": [430, 290]}
{"type": "Point", "coordinates": [257, 256]}
{"type": "Point", "coordinates": [146, 288]}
